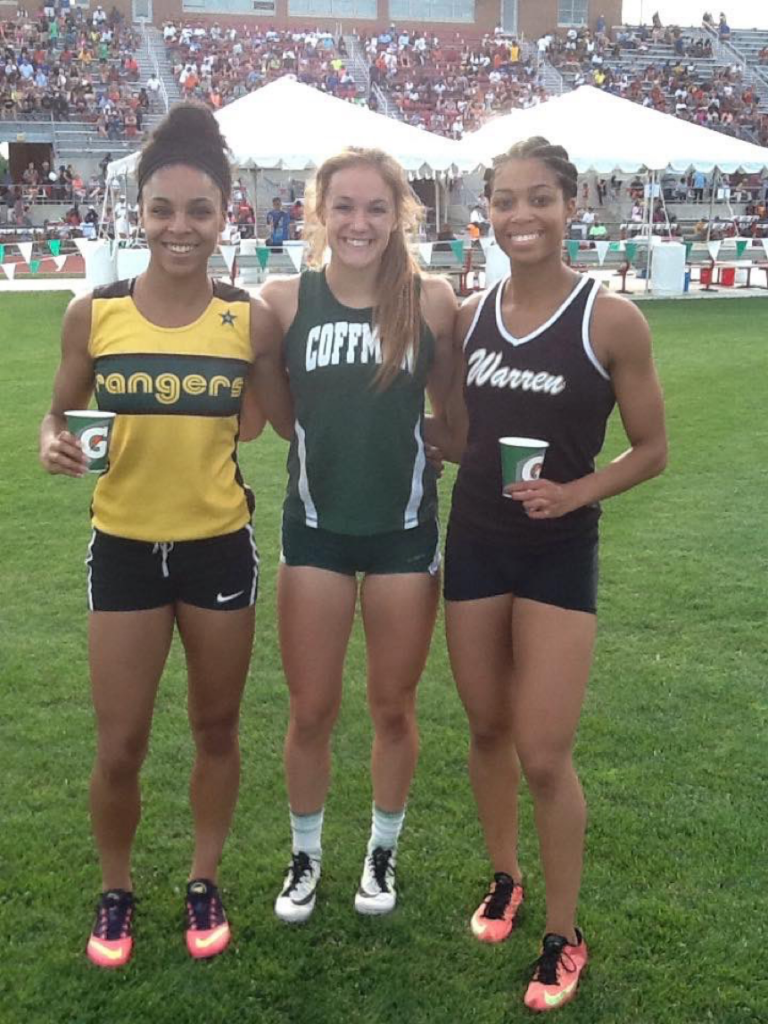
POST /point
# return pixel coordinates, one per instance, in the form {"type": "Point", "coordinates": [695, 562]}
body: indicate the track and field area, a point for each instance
{"type": "Point", "coordinates": [671, 752]}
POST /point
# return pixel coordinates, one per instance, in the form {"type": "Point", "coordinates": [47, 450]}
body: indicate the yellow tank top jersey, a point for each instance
{"type": "Point", "coordinates": [173, 472]}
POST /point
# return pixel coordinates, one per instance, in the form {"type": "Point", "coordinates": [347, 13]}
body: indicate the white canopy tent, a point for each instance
{"type": "Point", "coordinates": [605, 133]}
{"type": "Point", "coordinates": [292, 126]}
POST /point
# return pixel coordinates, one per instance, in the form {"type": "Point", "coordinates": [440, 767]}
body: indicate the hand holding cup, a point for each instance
{"type": "Point", "coordinates": [91, 430]}
{"type": "Point", "coordinates": [64, 455]}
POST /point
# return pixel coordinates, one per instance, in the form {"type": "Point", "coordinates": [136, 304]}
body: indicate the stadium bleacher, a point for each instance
{"type": "Point", "coordinates": [95, 69]}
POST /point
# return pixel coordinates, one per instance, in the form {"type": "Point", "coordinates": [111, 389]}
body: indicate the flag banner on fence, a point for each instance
{"type": "Point", "coordinates": [83, 243]}
{"type": "Point", "coordinates": [425, 251]}
{"type": "Point", "coordinates": [573, 248]}
{"type": "Point", "coordinates": [458, 249]}
{"type": "Point", "coordinates": [295, 252]}
{"type": "Point", "coordinates": [714, 248]}
{"type": "Point", "coordinates": [765, 245]}
{"type": "Point", "coordinates": [229, 252]}
{"type": "Point", "coordinates": [602, 250]}
{"type": "Point", "coordinates": [59, 261]}
{"type": "Point", "coordinates": [55, 246]}
{"type": "Point", "coordinates": [34, 266]}
{"type": "Point", "coordinates": [741, 245]}
{"type": "Point", "coordinates": [2, 253]}
{"type": "Point", "coordinates": [631, 251]}
{"type": "Point", "coordinates": [25, 248]}
{"type": "Point", "coordinates": [9, 270]}
{"type": "Point", "coordinates": [614, 246]}
{"type": "Point", "coordinates": [688, 247]}
{"type": "Point", "coordinates": [262, 254]}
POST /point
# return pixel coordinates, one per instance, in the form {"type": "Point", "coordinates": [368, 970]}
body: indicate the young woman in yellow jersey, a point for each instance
{"type": "Point", "coordinates": [172, 545]}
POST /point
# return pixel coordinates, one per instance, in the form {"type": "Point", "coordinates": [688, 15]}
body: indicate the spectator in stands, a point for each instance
{"type": "Point", "coordinates": [479, 215]}
{"type": "Point", "coordinates": [278, 223]}
{"type": "Point", "coordinates": [153, 88]}
{"type": "Point", "coordinates": [297, 219]}
{"type": "Point", "coordinates": [723, 28]}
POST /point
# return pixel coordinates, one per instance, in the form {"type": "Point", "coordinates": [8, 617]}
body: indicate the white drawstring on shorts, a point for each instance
{"type": "Point", "coordinates": [165, 550]}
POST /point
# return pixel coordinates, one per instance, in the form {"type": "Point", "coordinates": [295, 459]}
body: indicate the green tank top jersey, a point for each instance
{"type": "Point", "coordinates": [356, 464]}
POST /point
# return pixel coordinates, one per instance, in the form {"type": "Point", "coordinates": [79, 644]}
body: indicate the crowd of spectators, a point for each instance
{"type": "Point", "coordinates": [42, 185]}
{"type": "Point", "coordinates": [451, 85]}
{"type": "Point", "coordinates": [218, 64]}
{"type": "Point", "coordinates": [705, 94]}
{"type": "Point", "coordinates": [66, 63]}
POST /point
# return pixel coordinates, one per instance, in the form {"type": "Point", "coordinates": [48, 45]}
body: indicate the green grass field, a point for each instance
{"type": "Point", "coordinates": [672, 753]}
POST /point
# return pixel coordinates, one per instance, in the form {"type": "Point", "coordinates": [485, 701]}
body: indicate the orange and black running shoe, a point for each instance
{"type": "Point", "coordinates": [497, 915]}
{"type": "Point", "coordinates": [111, 941]}
{"type": "Point", "coordinates": [556, 973]}
{"type": "Point", "coordinates": [208, 931]}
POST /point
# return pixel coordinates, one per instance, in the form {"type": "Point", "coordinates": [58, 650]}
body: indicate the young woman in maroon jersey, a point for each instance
{"type": "Point", "coordinates": [547, 355]}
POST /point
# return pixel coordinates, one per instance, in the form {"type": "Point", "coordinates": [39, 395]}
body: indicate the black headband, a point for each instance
{"type": "Point", "coordinates": [154, 161]}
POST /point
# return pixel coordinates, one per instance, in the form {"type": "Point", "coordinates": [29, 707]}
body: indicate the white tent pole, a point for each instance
{"type": "Point", "coordinates": [437, 204]}
{"type": "Point", "coordinates": [651, 201]}
{"type": "Point", "coordinates": [711, 202]}
{"type": "Point", "coordinates": [666, 214]}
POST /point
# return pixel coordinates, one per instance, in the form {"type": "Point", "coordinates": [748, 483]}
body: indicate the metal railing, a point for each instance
{"type": "Point", "coordinates": [155, 65]}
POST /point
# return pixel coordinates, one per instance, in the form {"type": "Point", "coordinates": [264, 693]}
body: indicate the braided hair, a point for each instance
{"type": "Point", "coordinates": [539, 148]}
{"type": "Point", "coordinates": [190, 135]}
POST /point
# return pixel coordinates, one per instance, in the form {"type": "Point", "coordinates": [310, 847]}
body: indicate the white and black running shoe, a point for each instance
{"type": "Point", "coordinates": [376, 893]}
{"type": "Point", "coordinates": [297, 898]}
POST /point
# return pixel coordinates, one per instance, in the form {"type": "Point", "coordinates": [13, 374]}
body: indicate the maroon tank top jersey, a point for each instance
{"type": "Point", "coordinates": [547, 385]}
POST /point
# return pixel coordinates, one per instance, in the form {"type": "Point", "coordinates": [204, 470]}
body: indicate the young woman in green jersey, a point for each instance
{"type": "Point", "coordinates": [172, 545]}
{"type": "Point", "coordinates": [365, 335]}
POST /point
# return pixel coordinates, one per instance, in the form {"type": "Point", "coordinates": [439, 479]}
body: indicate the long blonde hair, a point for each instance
{"type": "Point", "coordinates": [397, 313]}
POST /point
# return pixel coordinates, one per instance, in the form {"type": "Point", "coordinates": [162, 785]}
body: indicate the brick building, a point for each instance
{"type": "Point", "coordinates": [530, 18]}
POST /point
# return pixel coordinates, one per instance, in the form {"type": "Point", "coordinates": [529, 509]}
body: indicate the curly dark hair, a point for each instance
{"type": "Point", "coordinates": [189, 134]}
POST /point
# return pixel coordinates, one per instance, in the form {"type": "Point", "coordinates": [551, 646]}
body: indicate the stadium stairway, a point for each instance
{"type": "Point", "coordinates": [357, 65]}
{"type": "Point", "coordinates": [551, 79]}
{"type": "Point", "coordinates": [743, 49]}
{"type": "Point", "coordinates": [73, 138]}
{"type": "Point", "coordinates": [153, 57]}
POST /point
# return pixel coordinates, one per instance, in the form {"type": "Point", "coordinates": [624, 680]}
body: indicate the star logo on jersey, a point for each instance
{"type": "Point", "coordinates": [228, 318]}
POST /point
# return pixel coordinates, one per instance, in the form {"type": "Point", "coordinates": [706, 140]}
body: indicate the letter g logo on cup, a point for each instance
{"type": "Point", "coordinates": [94, 442]}
{"type": "Point", "coordinates": [530, 469]}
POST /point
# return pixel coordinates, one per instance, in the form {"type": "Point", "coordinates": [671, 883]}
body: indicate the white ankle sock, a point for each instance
{"type": "Point", "coordinates": [306, 832]}
{"type": "Point", "coordinates": [386, 827]}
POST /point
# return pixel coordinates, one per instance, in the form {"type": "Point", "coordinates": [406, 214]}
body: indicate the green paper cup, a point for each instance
{"type": "Point", "coordinates": [93, 428]}
{"type": "Point", "coordinates": [521, 459]}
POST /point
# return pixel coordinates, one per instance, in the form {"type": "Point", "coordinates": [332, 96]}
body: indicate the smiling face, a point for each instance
{"type": "Point", "coordinates": [359, 214]}
{"type": "Point", "coordinates": [182, 216]}
{"type": "Point", "coordinates": [529, 210]}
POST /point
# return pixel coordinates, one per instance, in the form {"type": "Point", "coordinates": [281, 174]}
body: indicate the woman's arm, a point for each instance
{"type": "Point", "coordinates": [622, 342]}
{"type": "Point", "coordinates": [439, 309]}
{"type": "Point", "coordinates": [447, 428]}
{"type": "Point", "coordinates": [60, 451]}
{"type": "Point", "coordinates": [267, 395]}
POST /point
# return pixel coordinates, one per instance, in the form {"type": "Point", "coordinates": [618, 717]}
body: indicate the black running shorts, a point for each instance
{"type": "Point", "coordinates": [220, 573]}
{"type": "Point", "coordinates": [563, 573]}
